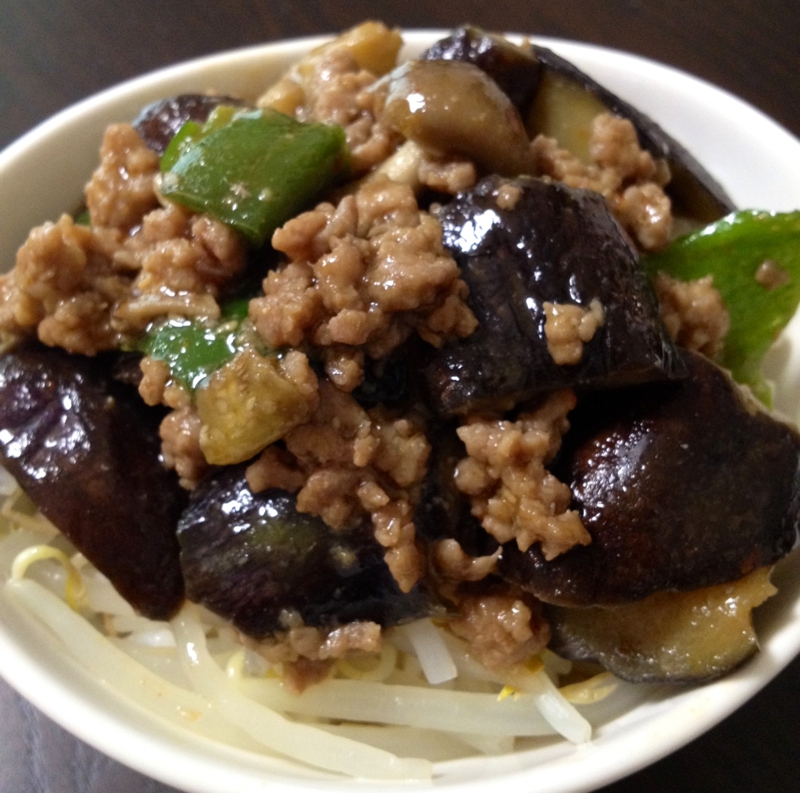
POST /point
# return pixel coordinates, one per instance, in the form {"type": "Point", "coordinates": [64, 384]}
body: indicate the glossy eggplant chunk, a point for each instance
{"type": "Point", "coordinates": [675, 637]}
{"type": "Point", "coordinates": [681, 486]}
{"type": "Point", "coordinates": [253, 559]}
{"type": "Point", "coordinates": [86, 449]}
{"type": "Point", "coordinates": [514, 69]}
{"type": "Point", "coordinates": [567, 101]}
{"type": "Point", "coordinates": [157, 123]}
{"type": "Point", "coordinates": [556, 244]}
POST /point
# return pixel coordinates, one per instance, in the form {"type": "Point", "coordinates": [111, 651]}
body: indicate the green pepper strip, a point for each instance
{"type": "Point", "coordinates": [252, 169]}
{"type": "Point", "coordinates": [193, 350]}
{"type": "Point", "coordinates": [731, 251]}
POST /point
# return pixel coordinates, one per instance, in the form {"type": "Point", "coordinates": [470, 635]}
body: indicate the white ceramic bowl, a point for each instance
{"type": "Point", "coordinates": [42, 175]}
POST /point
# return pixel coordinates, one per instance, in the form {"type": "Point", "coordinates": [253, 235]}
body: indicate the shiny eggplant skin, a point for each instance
{"type": "Point", "coordinates": [258, 562]}
{"type": "Point", "coordinates": [556, 244]}
{"type": "Point", "coordinates": [672, 637]}
{"type": "Point", "coordinates": [86, 449]}
{"type": "Point", "coordinates": [681, 486]}
{"type": "Point", "coordinates": [514, 69]}
{"type": "Point", "coordinates": [158, 122]}
{"type": "Point", "coordinates": [695, 194]}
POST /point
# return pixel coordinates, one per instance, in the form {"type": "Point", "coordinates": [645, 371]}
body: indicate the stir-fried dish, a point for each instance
{"type": "Point", "coordinates": [401, 375]}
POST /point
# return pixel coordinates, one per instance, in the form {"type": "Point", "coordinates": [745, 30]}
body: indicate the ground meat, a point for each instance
{"type": "Point", "coordinates": [275, 467]}
{"type": "Point", "coordinates": [627, 176]}
{"type": "Point", "coordinates": [182, 260]}
{"type": "Point", "coordinates": [346, 464]}
{"type": "Point", "coordinates": [447, 175]}
{"type": "Point", "coordinates": [65, 286]}
{"type": "Point", "coordinates": [512, 493]}
{"type": "Point", "coordinates": [501, 628]}
{"type": "Point", "coordinates": [122, 189]}
{"type": "Point", "coordinates": [363, 274]}
{"type": "Point", "coordinates": [180, 445]}
{"type": "Point", "coordinates": [771, 275]}
{"type": "Point", "coordinates": [157, 386]}
{"type": "Point", "coordinates": [694, 313]}
{"type": "Point", "coordinates": [568, 327]}
{"type": "Point", "coordinates": [507, 196]}
{"type": "Point", "coordinates": [454, 564]}
{"type": "Point", "coordinates": [308, 652]}
{"type": "Point", "coordinates": [89, 289]}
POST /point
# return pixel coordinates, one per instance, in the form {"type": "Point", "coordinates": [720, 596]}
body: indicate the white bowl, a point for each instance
{"type": "Point", "coordinates": [757, 161]}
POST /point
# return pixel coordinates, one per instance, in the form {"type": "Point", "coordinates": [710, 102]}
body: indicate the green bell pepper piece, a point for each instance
{"type": "Point", "coordinates": [731, 251]}
{"type": "Point", "coordinates": [252, 169]}
{"type": "Point", "coordinates": [194, 350]}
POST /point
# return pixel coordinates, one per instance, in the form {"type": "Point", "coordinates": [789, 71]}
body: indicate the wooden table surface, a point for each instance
{"type": "Point", "coordinates": [54, 52]}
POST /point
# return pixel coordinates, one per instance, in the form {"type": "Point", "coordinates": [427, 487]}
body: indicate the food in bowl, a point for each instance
{"type": "Point", "coordinates": [361, 451]}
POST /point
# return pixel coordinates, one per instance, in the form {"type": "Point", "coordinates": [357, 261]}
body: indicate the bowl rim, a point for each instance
{"type": "Point", "coordinates": [99, 716]}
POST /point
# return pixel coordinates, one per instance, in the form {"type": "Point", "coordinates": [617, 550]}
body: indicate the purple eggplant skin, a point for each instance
{"type": "Point", "coordinates": [681, 485]}
{"type": "Point", "coordinates": [557, 244]}
{"type": "Point", "coordinates": [158, 122]}
{"type": "Point", "coordinates": [253, 559]}
{"type": "Point", "coordinates": [516, 70]}
{"type": "Point", "coordinates": [694, 192]}
{"type": "Point", "coordinates": [86, 449]}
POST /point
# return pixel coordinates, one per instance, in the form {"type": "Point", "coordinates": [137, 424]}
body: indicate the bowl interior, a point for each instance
{"type": "Point", "coordinates": [758, 163]}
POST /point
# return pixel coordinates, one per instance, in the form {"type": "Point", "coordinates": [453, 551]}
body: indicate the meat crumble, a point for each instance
{"type": "Point", "coordinates": [694, 313]}
{"type": "Point", "coordinates": [568, 327]}
{"type": "Point", "coordinates": [629, 178]}
{"type": "Point", "coordinates": [512, 493]}
{"type": "Point", "coordinates": [362, 276]}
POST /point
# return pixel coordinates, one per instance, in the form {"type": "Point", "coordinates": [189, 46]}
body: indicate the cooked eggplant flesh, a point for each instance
{"type": "Point", "coordinates": [559, 245]}
{"type": "Point", "coordinates": [515, 69]}
{"type": "Point", "coordinates": [670, 637]}
{"type": "Point", "coordinates": [255, 560]}
{"type": "Point", "coordinates": [86, 449]}
{"type": "Point", "coordinates": [568, 99]}
{"type": "Point", "coordinates": [681, 485]}
{"type": "Point", "coordinates": [454, 107]}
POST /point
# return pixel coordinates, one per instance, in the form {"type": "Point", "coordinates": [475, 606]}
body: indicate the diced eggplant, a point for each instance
{"type": "Point", "coordinates": [555, 244]}
{"type": "Point", "coordinates": [675, 637]}
{"type": "Point", "coordinates": [515, 69]}
{"type": "Point", "coordinates": [86, 449]}
{"type": "Point", "coordinates": [157, 123]}
{"type": "Point", "coordinates": [568, 99]}
{"type": "Point", "coordinates": [256, 561]}
{"type": "Point", "coordinates": [453, 107]}
{"type": "Point", "coordinates": [681, 486]}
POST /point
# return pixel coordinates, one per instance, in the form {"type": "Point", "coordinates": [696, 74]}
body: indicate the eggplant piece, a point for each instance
{"type": "Point", "coordinates": [158, 122]}
{"type": "Point", "coordinates": [556, 244]}
{"type": "Point", "coordinates": [568, 100]}
{"type": "Point", "coordinates": [86, 449]}
{"type": "Point", "coordinates": [515, 69]}
{"type": "Point", "coordinates": [681, 486]}
{"type": "Point", "coordinates": [254, 559]}
{"type": "Point", "coordinates": [453, 107]}
{"type": "Point", "coordinates": [675, 637]}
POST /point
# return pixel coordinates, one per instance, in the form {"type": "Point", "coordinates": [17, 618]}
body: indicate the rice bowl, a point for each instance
{"type": "Point", "coordinates": [687, 108]}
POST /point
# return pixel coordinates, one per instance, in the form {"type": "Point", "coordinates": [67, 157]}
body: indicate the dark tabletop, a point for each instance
{"type": "Point", "coordinates": [54, 52]}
